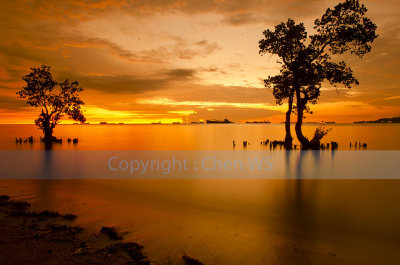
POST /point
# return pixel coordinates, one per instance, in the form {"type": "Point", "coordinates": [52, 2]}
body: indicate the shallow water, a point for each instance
{"type": "Point", "coordinates": [231, 221]}
{"type": "Point", "coordinates": [196, 137]}
{"type": "Point", "coordinates": [236, 221]}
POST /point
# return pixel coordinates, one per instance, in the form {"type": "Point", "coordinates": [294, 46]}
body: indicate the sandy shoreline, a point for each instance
{"type": "Point", "coordinates": [48, 237]}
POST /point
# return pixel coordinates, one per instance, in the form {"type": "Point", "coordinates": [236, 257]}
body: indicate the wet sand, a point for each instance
{"type": "Point", "coordinates": [234, 221]}
{"type": "Point", "coordinates": [48, 237]}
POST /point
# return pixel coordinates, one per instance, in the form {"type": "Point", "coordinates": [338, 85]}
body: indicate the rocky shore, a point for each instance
{"type": "Point", "coordinates": [48, 237]}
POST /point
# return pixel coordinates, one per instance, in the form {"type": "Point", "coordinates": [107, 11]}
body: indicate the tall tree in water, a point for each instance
{"type": "Point", "coordinates": [282, 85]}
{"type": "Point", "coordinates": [345, 28]}
{"type": "Point", "coordinates": [54, 99]}
{"type": "Point", "coordinates": [286, 41]}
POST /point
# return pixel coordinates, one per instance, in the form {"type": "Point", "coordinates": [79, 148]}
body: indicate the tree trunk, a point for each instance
{"type": "Point", "coordinates": [48, 134]}
{"type": "Point", "coordinates": [48, 131]}
{"type": "Point", "coordinates": [288, 136]}
{"type": "Point", "coordinates": [305, 143]}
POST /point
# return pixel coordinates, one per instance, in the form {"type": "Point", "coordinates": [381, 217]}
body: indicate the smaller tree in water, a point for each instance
{"type": "Point", "coordinates": [54, 99]}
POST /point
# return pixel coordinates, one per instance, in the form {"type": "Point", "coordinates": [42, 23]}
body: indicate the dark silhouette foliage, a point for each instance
{"type": "Point", "coordinates": [307, 60]}
{"type": "Point", "coordinates": [54, 99]}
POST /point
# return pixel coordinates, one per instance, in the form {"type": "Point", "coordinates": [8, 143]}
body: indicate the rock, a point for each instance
{"type": "Point", "coordinates": [277, 142]}
{"type": "Point", "coordinates": [111, 232]}
{"type": "Point", "coordinates": [79, 251]}
{"type": "Point", "coordinates": [18, 208]}
{"type": "Point", "coordinates": [134, 250]}
{"type": "Point", "coordinates": [49, 214]}
{"type": "Point", "coordinates": [191, 261]}
{"type": "Point", "coordinates": [68, 230]}
{"type": "Point", "coordinates": [4, 198]}
{"type": "Point", "coordinates": [69, 217]}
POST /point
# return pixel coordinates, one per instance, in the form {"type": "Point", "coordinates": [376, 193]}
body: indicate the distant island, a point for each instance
{"type": "Point", "coordinates": [77, 123]}
{"type": "Point", "coordinates": [217, 121]}
{"type": "Point", "coordinates": [110, 123]}
{"type": "Point", "coordinates": [258, 122]}
{"type": "Point", "coordinates": [383, 120]}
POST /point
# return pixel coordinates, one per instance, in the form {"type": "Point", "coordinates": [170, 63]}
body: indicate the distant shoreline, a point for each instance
{"type": "Point", "coordinates": [383, 120]}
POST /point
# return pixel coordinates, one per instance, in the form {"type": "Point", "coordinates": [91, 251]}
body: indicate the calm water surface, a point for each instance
{"type": "Point", "coordinates": [238, 221]}
{"type": "Point", "coordinates": [196, 137]}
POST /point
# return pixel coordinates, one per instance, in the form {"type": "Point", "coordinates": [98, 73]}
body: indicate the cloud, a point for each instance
{"type": "Point", "coordinates": [233, 114]}
{"type": "Point", "coordinates": [78, 9]}
{"type": "Point", "coordinates": [99, 43]}
{"type": "Point", "coordinates": [207, 48]}
{"type": "Point", "coordinates": [237, 111]}
{"type": "Point", "coordinates": [121, 84]}
{"type": "Point", "coordinates": [182, 49]}
{"type": "Point", "coordinates": [129, 84]}
{"type": "Point", "coordinates": [180, 73]}
{"type": "Point", "coordinates": [205, 93]}
{"type": "Point", "coordinates": [12, 103]}
{"type": "Point", "coordinates": [208, 104]}
{"type": "Point", "coordinates": [243, 19]}
{"type": "Point", "coordinates": [387, 102]}
{"type": "Point", "coordinates": [186, 50]}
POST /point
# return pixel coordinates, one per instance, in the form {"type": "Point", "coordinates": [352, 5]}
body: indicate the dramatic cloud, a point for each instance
{"type": "Point", "coordinates": [134, 85]}
{"type": "Point", "coordinates": [200, 56]}
{"type": "Point", "coordinates": [243, 19]}
{"type": "Point", "coordinates": [12, 104]}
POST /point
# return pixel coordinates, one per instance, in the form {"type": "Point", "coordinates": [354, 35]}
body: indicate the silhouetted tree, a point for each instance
{"type": "Point", "coordinates": [55, 99]}
{"type": "Point", "coordinates": [282, 90]}
{"type": "Point", "coordinates": [309, 59]}
{"type": "Point", "coordinates": [286, 41]}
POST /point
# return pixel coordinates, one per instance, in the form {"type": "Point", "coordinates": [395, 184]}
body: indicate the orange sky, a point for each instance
{"type": "Point", "coordinates": [146, 61]}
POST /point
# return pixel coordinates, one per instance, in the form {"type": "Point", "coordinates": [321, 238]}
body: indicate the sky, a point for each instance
{"type": "Point", "coordinates": [180, 61]}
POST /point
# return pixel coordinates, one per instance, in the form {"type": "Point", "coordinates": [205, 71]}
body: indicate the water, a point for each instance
{"type": "Point", "coordinates": [236, 221]}
{"type": "Point", "coordinates": [196, 137]}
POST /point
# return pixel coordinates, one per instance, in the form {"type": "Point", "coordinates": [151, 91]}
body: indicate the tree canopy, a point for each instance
{"type": "Point", "coordinates": [307, 60]}
{"type": "Point", "coordinates": [54, 99]}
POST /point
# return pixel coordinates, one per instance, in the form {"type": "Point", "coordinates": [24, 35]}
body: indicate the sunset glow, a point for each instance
{"type": "Point", "coordinates": [182, 61]}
